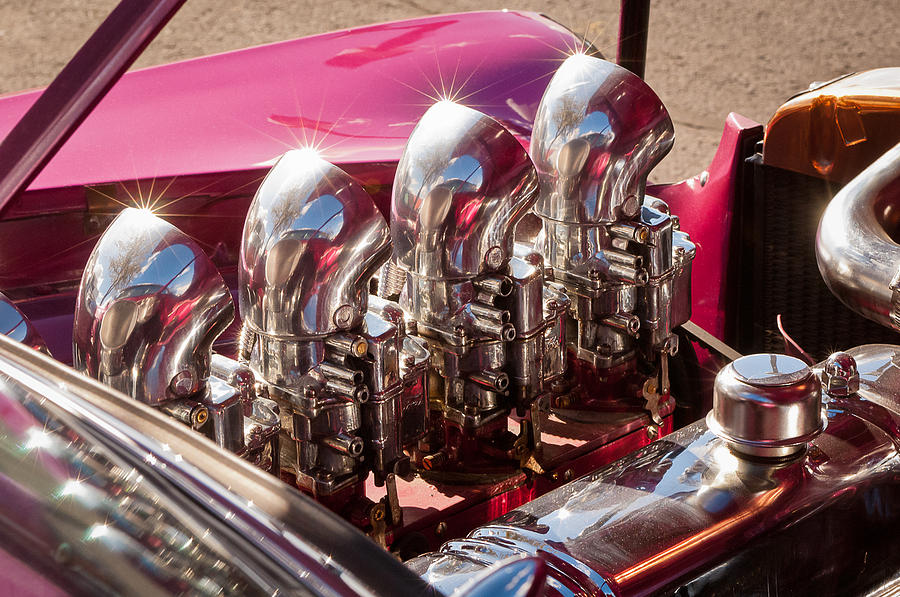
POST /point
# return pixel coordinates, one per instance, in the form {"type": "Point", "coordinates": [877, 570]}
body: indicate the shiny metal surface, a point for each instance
{"type": "Point", "coordinates": [840, 375]}
{"type": "Point", "coordinates": [149, 307]}
{"type": "Point", "coordinates": [15, 325]}
{"type": "Point", "coordinates": [766, 405]}
{"type": "Point", "coordinates": [312, 239]}
{"type": "Point", "coordinates": [598, 132]}
{"type": "Point", "coordinates": [618, 253]}
{"type": "Point", "coordinates": [96, 505]}
{"type": "Point", "coordinates": [857, 255]}
{"type": "Point", "coordinates": [687, 516]}
{"type": "Point", "coordinates": [462, 184]}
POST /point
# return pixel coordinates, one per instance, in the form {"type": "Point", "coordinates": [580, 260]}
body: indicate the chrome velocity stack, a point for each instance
{"type": "Point", "coordinates": [340, 367]}
{"type": "Point", "coordinates": [14, 324]}
{"type": "Point", "coordinates": [150, 306]}
{"type": "Point", "coordinates": [494, 327]}
{"type": "Point", "coordinates": [626, 266]}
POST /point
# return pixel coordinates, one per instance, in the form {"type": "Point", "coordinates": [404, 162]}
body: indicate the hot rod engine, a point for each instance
{"type": "Point", "coordinates": [470, 349]}
{"type": "Point", "coordinates": [508, 329]}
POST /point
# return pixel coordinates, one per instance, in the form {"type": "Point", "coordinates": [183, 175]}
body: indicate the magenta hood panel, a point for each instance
{"type": "Point", "coordinates": [354, 94]}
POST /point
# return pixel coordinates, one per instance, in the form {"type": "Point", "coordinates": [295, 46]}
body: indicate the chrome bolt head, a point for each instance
{"type": "Point", "coordinates": [840, 376]}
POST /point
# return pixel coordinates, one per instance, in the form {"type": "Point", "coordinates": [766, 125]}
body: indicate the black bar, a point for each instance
{"type": "Point", "coordinates": [634, 20]}
{"type": "Point", "coordinates": [77, 89]}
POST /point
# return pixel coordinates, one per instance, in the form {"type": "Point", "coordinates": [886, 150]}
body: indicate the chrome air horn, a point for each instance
{"type": "Point", "coordinates": [150, 306]}
{"type": "Point", "coordinates": [349, 382]}
{"type": "Point", "coordinates": [493, 326]}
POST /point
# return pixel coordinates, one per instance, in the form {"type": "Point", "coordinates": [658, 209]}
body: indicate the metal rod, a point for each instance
{"type": "Point", "coordinates": [77, 89]}
{"type": "Point", "coordinates": [634, 20]}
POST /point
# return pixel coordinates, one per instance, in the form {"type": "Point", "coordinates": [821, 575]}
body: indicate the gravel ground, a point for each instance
{"type": "Point", "coordinates": [706, 58]}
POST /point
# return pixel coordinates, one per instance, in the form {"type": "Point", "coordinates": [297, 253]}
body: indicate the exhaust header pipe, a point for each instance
{"type": "Point", "coordinates": [857, 257]}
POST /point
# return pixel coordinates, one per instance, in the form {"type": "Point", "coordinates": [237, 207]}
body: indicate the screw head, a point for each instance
{"type": "Point", "coordinates": [630, 206]}
{"type": "Point", "coordinates": [494, 257]}
{"type": "Point", "coordinates": [343, 316]}
{"type": "Point", "coordinates": [184, 383]}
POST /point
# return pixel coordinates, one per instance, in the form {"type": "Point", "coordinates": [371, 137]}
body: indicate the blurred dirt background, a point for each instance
{"type": "Point", "coordinates": [706, 58]}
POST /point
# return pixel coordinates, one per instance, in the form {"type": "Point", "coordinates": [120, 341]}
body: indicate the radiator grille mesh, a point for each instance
{"type": "Point", "coordinates": [788, 276]}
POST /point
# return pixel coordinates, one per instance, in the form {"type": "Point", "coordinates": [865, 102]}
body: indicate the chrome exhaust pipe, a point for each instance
{"type": "Point", "coordinates": [857, 257]}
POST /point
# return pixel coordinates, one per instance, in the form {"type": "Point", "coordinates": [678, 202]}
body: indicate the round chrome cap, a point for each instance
{"type": "Point", "coordinates": [766, 405]}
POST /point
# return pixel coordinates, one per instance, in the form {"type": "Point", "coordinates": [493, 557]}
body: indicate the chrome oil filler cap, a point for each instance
{"type": "Point", "coordinates": [766, 405]}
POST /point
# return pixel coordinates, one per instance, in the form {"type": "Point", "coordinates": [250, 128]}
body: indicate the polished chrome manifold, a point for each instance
{"type": "Point", "coordinates": [618, 253]}
{"type": "Point", "coordinates": [150, 305]}
{"type": "Point", "coordinates": [349, 381]}
{"type": "Point", "coordinates": [493, 326]}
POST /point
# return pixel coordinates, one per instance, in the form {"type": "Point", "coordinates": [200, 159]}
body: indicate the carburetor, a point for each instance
{"type": "Point", "coordinates": [349, 381]}
{"type": "Point", "coordinates": [150, 306]}
{"type": "Point", "coordinates": [493, 326]}
{"type": "Point", "coordinates": [619, 254]}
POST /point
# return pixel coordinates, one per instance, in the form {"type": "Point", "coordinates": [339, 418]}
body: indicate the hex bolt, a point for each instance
{"type": "Point", "coordinates": [494, 257]}
{"type": "Point", "coordinates": [184, 384]}
{"type": "Point", "coordinates": [840, 376]}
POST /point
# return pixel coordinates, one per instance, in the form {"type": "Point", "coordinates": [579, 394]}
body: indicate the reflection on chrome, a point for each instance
{"type": "Point", "coordinates": [110, 527]}
{"type": "Point", "coordinates": [462, 184]}
{"type": "Point", "coordinates": [337, 362]}
{"type": "Point", "coordinates": [494, 327]}
{"type": "Point", "coordinates": [598, 132]}
{"type": "Point", "coordinates": [92, 505]}
{"type": "Point", "coordinates": [686, 513]}
{"type": "Point", "coordinates": [312, 240]}
{"type": "Point", "coordinates": [856, 251]}
{"type": "Point", "coordinates": [15, 325]}
{"type": "Point", "coordinates": [150, 305]}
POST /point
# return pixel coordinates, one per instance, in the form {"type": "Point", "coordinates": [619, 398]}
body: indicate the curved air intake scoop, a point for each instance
{"type": "Point", "coordinates": [312, 240]}
{"type": "Point", "coordinates": [461, 186]}
{"type": "Point", "coordinates": [150, 305]}
{"type": "Point", "coordinates": [598, 132]}
{"type": "Point", "coordinates": [15, 325]}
